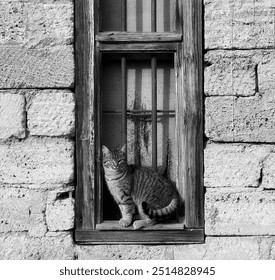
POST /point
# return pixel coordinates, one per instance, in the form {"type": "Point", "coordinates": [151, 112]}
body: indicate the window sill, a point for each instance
{"type": "Point", "coordinates": [148, 236]}
{"type": "Point", "coordinates": [138, 37]}
{"type": "Point", "coordinates": [114, 225]}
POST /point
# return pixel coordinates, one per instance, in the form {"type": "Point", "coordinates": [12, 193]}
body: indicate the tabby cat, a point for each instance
{"type": "Point", "coordinates": [136, 187]}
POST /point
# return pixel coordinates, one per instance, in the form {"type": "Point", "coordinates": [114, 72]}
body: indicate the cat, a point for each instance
{"type": "Point", "coordinates": [137, 187]}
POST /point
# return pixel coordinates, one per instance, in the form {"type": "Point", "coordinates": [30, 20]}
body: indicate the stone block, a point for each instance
{"type": "Point", "coordinates": [20, 246]}
{"type": "Point", "coordinates": [264, 28]}
{"type": "Point", "coordinates": [241, 119]}
{"type": "Point", "coordinates": [233, 165]}
{"type": "Point", "coordinates": [268, 4]}
{"type": "Point", "coordinates": [239, 212]}
{"type": "Point", "coordinates": [60, 211]}
{"type": "Point", "coordinates": [37, 161]}
{"type": "Point", "coordinates": [239, 24]}
{"type": "Point", "coordinates": [36, 23]}
{"type": "Point", "coordinates": [254, 119]}
{"type": "Point", "coordinates": [51, 112]}
{"type": "Point", "coordinates": [120, 252]}
{"type": "Point", "coordinates": [12, 115]}
{"type": "Point", "coordinates": [50, 23]}
{"type": "Point", "coordinates": [15, 218]}
{"type": "Point", "coordinates": [219, 118]}
{"type": "Point", "coordinates": [22, 210]}
{"type": "Point", "coordinates": [239, 73]}
{"type": "Point", "coordinates": [230, 73]}
{"type": "Point", "coordinates": [253, 27]}
{"type": "Point", "coordinates": [268, 181]}
{"type": "Point", "coordinates": [227, 248]}
{"type": "Point", "coordinates": [40, 68]}
{"type": "Point", "coordinates": [13, 23]}
{"type": "Point", "coordinates": [218, 27]}
{"type": "Point", "coordinates": [266, 76]}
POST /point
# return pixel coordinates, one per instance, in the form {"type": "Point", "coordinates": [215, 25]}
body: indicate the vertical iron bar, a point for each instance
{"type": "Point", "coordinates": [124, 76]}
{"type": "Point", "coordinates": [153, 16]}
{"type": "Point", "coordinates": [154, 112]}
{"type": "Point", "coordinates": [123, 15]}
{"type": "Point", "coordinates": [154, 89]}
{"type": "Point", "coordinates": [124, 99]}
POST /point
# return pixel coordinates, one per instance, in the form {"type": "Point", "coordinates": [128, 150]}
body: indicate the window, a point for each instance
{"type": "Point", "coordinates": [139, 67]}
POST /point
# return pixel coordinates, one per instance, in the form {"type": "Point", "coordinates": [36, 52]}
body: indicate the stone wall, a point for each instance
{"type": "Point", "coordinates": [37, 127]}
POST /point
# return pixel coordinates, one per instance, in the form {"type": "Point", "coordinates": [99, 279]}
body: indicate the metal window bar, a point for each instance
{"type": "Point", "coordinates": [124, 76]}
{"type": "Point", "coordinates": [153, 16]}
{"type": "Point", "coordinates": [154, 89]}
{"type": "Point", "coordinates": [123, 15]}
{"type": "Point", "coordinates": [154, 112]}
{"type": "Point", "coordinates": [142, 113]}
{"type": "Point", "coordinates": [124, 99]}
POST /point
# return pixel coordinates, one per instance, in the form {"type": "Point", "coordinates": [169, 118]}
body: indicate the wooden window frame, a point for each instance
{"type": "Point", "coordinates": [187, 43]}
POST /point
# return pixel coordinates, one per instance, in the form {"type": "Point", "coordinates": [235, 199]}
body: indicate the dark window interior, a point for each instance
{"type": "Point", "coordinates": [139, 133]}
{"type": "Point", "coordinates": [138, 15]}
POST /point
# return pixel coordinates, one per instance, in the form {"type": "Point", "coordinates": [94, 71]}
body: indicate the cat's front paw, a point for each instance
{"type": "Point", "coordinates": [124, 223]}
{"type": "Point", "coordinates": [143, 223]}
{"type": "Point", "coordinates": [138, 224]}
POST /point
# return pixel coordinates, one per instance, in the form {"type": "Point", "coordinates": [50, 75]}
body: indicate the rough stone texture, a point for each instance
{"type": "Point", "coordinates": [241, 119]}
{"type": "Point", "coordinates": [233, 165]}
{"type": "Point", "coordinates": [12, 117]}
{"type": "Point", "coordinates": [239, 73]}
{"type": "Point", "coordinates": [228, 248]}
{"type": "Point", "coordinates": [35, 52]}
{"type": "Point", "coordinates": [240, 212]}
{"type": "Point", "coordinates": [268, 181]}
{"type": "Point", "coordinates": [27, 212]}
{"type": "Point", "coordinates": [41, 68]}
{"type": "Point", "coordinates": [266, 76]}
{"type": "Point", "coordinates": [37, 161]}
{"type": "Point", "coordinates": [36, 24]}
{"type": "Point", "coordinates": [230, 73]}
{"type": "Point", "coordinates": [17, 246]}
{"type": "Point", "coordinates": [219, 118]}
{"type": "Point", "coordinates": [60, 211]}
{"type": "Point", "coordinates": [215, 248]}
{"type": "Point", "coordinates": [51, 112]}
{"type": "Point", "coordinates": [121, 252]}
{"type": "Point", "coordinates": [239, 24]}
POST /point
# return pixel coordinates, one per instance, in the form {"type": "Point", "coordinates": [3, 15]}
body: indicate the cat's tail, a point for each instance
{"type": "Point", "coordinates": [158, 213]}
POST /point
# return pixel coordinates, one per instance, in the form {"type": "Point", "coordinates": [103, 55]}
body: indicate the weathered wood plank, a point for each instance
{"type": "Point", "coordinates": [114, 225]}
{"type": "Point", "coordinates": [189, 119]}
{"type": "Point", "coordinates": [84, 87]}
{"type": "Point", "coordinates": [115, 37]}
{"type": "Point", "coordinates": [138, 48]}
{"type": "Point", "coordinates": [140, 237]}
{"type": "Point", "coordinates": [98, 132]}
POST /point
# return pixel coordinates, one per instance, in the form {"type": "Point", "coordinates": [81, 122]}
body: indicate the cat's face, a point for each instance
{"type": "Point", "coordinates": [114, 161]}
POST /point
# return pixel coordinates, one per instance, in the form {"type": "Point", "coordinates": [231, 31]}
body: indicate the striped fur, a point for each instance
{"type": "Point", "coordinates": [137, 187]}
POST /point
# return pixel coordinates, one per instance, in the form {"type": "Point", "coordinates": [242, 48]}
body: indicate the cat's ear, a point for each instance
{"type": "Point", "coordinates": [123, 149]}
{"type": "Point", "coordinates": [105, 150]}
